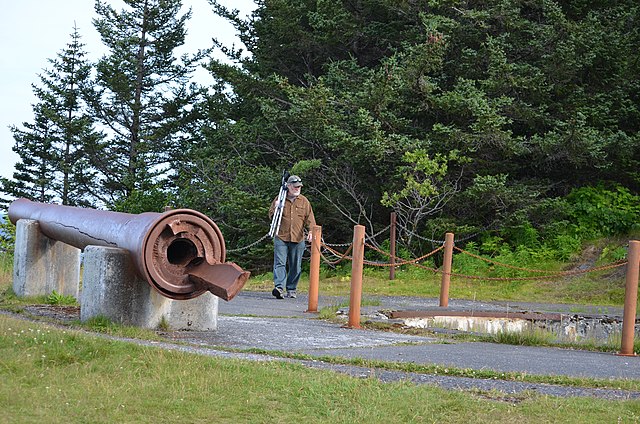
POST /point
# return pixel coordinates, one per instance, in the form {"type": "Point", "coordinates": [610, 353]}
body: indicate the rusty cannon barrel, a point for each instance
{"type": "Point", "coordinates": [180, 253]}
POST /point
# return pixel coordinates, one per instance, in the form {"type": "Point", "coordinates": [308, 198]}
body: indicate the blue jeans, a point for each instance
{"type": "Point", "coordinates": [287, 263]}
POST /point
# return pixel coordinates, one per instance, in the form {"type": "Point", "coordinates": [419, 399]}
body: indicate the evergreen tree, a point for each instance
{"type": "Point", "coordinates": [533, 99]}
{"type": "Point", "coordinates": [34, 177]}
{"type": "Point", "coordinates": [54, 164]}
{"type": "Point", "coordinates": [140, 97]}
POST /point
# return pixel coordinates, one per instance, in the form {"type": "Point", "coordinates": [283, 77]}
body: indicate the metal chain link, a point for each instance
{"type": "Point", "coordinates": [335, 244]}
{"type": "Point", "coordinates": [248, 246]}
{"type": "Point", "coordinates": [419, 236]}
{"type": "Point", "coordinates": [403, 262]}
{"type": "Point", "coordinates": [378, 233]}
{"type": "Point", "coordinates": [340, 256]}
{"type": "Point", "coordinates": [459, 240]}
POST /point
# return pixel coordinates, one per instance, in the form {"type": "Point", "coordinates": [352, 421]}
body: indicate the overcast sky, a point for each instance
{"type": "Point", "coordinates": [32, 31]}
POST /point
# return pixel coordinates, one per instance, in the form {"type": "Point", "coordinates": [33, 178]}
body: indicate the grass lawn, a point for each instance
{"type": "Point", "coordinates": [54, 375]}
{"type": "Point", "coordinates": [49, 374]}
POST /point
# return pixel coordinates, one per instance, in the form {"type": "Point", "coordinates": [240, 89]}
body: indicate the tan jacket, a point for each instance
{"type": "Point", "coordinates": [296, 216]}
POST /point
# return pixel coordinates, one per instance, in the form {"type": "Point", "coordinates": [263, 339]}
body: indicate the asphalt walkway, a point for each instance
{"type": "Point", "coordinates": [257, 320]}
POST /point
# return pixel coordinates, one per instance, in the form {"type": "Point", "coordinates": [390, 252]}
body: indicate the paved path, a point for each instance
{"type": "Point", "coordinates": [257, 320]}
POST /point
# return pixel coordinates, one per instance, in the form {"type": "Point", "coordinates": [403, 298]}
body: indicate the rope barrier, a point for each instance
{"type": "Point", "coordinates": [343, 256]}
{"type": "Point", "coordinates": [415, 262]}
{"type": "Point", "coordinates": [496, 262]}
{"type": "Point", "coordinates": [405, 262]}
{"type": "Point", "coordinates": [339, 255]}
{"type": "Point", "coordinates": [542, 277]}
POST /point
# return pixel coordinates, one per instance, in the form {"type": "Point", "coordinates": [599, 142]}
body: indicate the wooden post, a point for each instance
{"type": "Point", "coordinates": [446, 270]}
{"type": "Point", "coordinates": [357, 264]}
{"type": "Point", "coordinates": [392, 246]}
{"type": "Point", "coordinates": [630, 299]}
{"type": "Point", "coordinates": [314, 271]}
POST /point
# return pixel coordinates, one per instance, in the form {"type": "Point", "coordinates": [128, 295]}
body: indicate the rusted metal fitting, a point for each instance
{"type": "Point", "coordinates": [180, 253]}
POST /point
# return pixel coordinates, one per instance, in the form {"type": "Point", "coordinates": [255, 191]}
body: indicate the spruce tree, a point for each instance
{"type": "Point", "coordinates": [140, 97]}
{"type": "Point", "coordinates": [53, 162]}
{"type": "Point", "coordinates": [34, 176]}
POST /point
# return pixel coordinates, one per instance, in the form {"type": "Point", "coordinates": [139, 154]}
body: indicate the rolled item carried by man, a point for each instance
{"type": "Point", "coordinates": [180, 253]}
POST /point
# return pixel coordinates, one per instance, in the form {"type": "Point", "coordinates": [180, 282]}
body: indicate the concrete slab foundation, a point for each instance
{"type": "Point", "coordinates": [569, 327]}
{"type": "Point", "coordinates": [42, 265]}
{"type": "Point", "coordinates": [112, 289]}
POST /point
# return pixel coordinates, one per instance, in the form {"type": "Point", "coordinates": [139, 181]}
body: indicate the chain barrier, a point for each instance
{"type": "Point", "coordinates": [337, 254]}
{"type": "Point", "coordinates": [405, 262]}
{"type": "Point", "coordinates": [414, 262]}
{"type": "Point", "coordinates": [342, 256]}
{"type": "Point", "coordinates": [373, 237]}
{"type": "Point", "coordinates": [345, 255]}
{"type": "Point", "coordinates": [240, 249]}
{"type": "Point", "coordinates": [419, 236]}
{"type": "Point", "coordinates": [542, 277]}
{"type": "Point", "coordinates": [334, 244]}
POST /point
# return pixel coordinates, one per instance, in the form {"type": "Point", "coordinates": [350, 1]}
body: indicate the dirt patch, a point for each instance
{"type": "Point", "coordinates": [588, 259]}
{"type": "Point", "coordinates": [60, 313]}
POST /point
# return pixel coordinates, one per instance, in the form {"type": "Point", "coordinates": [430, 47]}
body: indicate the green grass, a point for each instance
{"type": "Point", "coordinates": [589, 289]}
{"type": "Point", "coordinates": [56, 298]}
{"type": "Point", "coordinates": [6, 269]}
{"type": "Point", "coordinates": [79, 378]}
{"type": "Point", "coordinates": [560, 380]}
{"type": "Point", "coordinates": [532, 337]}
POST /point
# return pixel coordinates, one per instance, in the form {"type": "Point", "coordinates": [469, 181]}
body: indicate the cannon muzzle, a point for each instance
{"type": "Point", "coordinates": [180, 253]}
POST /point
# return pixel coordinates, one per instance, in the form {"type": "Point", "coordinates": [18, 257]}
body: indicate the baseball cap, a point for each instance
{"type": "Point", "coordinates": [295, 181]}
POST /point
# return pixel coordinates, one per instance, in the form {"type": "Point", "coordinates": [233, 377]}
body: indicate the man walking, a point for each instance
{"type": "Point", "coordinates": [288, 244]}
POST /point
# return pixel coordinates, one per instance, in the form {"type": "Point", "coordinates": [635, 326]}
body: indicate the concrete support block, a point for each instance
{"type": "Point", "coordinates": [199, 314]}
{"type": "Point", "coordinates": [42, 265]}
{"type": "Point", "coordinates": [111, 288]}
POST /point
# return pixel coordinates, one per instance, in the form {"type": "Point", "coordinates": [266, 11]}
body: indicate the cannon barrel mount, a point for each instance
{"type": "Point", "coordinates": [180, 253]}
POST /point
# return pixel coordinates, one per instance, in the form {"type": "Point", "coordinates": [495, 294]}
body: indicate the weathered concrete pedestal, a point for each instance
{"type": "Point", "coordinates": [110, 286]}
{"type": "Point", "coordinates": [112, 289]}
{"type": "Point", "coordinates": [42, 265]}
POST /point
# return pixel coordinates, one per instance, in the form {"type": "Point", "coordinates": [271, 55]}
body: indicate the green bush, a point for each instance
{"type": "Point", "coordinates": [7, 235]}
{"type": "Point", "coordinates": [599, 211]}
{"type": "Point", "coordinates": [587, 213]}
{"type": "Point", "coordinates": [565, 245]}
